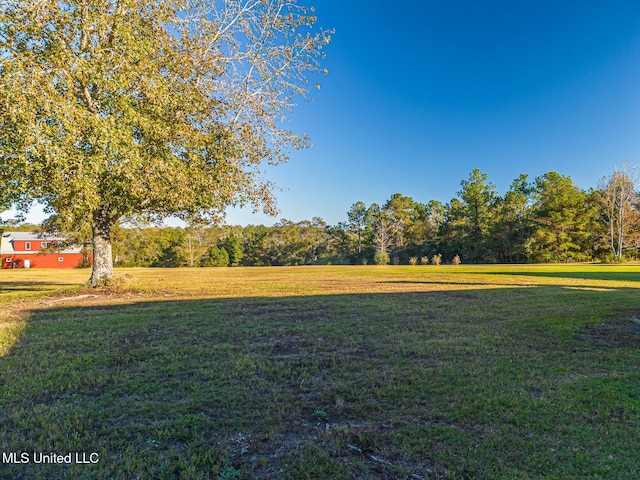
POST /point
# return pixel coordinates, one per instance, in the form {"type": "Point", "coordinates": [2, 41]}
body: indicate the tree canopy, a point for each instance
{"type": "Point", "coordinates": [618, 200]}
{"type": "Point", "coordinates": [548, 220]}
{"type": "Point", "coordinates": [113, 108]}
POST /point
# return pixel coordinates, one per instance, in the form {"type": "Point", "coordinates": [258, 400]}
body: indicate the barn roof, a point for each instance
{"type": "Point", "coordinates": [6, 247]}
{"type": "Point", "coordinates": [29, 236]}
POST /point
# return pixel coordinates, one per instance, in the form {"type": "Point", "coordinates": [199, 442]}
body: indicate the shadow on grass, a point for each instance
{"type": "Point", "coordinates": [470, 285]}
{"type": "Point", "coordinates": [35, 284]}
{"type": "Point", "coordinates": [332, 386]}
{"type": "Point", "coordinates": [631, 276]}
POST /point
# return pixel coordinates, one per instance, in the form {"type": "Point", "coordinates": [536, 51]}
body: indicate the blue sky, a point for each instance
{"type": "Point", "coordinates": [419, 93]}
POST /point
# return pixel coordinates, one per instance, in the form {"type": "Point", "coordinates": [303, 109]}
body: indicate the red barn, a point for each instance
{"type": "Point", "coordinates": [30, 250]}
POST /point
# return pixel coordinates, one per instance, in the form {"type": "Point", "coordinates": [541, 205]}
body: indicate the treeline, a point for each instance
{"type": "Point", "coordinates": [547, 220]}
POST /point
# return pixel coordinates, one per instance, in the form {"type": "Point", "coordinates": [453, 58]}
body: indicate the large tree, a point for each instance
{"type": "Point", "coordinates": [112, 108]}
{"type": "Point", "coordinates": [514, 224]}
{"type": "Point", "coordinates": [357, 216]}
{"type": "Point", "coordinates": [403, 214]}
{"type": "Point", "coordinates": [471, 216]}
{"type": "Point", "coordinates": [618, 203]}
{"type": "Point", "coordinates": [564, 221]}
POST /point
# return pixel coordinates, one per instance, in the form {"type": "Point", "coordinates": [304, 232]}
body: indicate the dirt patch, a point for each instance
{"type": "Point", "coordinates": [356, 445]}
{"type": "Point", "coordinates": [613, 334]}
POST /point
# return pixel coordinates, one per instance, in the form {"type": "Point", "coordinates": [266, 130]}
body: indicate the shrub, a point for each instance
{"type": "Point", "coordinates": [456, 260]}
{"type": "Point", "coordinates": [424, 260]}
{"type": "Point", "coordinates": [381, 258]}
{"type": "Point", "coordinates": [413, 261]}
{"type": "Point", "coordinates": [84, 263]}
{"type": "Point", "coordinates": [436, 259]}
{"type": "Point", "coordinates": [611, 257]}
{"type": "Point", "coordinates": [395, 260]}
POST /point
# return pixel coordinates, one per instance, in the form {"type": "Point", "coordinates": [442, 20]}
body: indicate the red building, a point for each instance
{"type": "Point", "coordinates": [30, 250]}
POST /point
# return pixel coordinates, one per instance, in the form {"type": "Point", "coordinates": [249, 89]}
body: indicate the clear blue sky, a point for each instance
{"type": "Point", "coordinates": [419, 93]}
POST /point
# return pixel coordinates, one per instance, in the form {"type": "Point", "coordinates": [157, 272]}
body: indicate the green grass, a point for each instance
{"type": "Point", "coordinates": [20, 284]}
{"type": "Point", "coordinates": [325, 372]}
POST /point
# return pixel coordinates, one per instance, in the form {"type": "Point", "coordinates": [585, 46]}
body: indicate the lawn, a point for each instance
{"type": "Point", "coordinates": [416, 372]}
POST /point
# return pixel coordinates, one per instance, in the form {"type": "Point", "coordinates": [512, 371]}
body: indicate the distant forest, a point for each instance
{"type": "Point", "coordinates": [547, 220]}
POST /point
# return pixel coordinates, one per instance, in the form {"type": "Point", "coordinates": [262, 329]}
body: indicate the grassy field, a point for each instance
{"type": "Point", "coordinates": [507, 372]}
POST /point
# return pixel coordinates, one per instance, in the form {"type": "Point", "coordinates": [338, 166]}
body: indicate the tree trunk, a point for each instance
{"type": "Point", "coordinates": [102, 272]}
{"type": "Point", "coordinates": [621, 226]}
